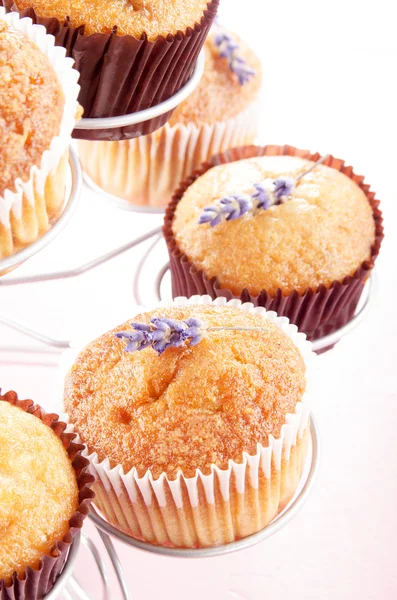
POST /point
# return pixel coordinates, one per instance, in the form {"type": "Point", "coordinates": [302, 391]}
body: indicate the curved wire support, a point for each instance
{"type": "Point", "coordinates": [35, 335]}
{"type": "Point", "coordinates": [328, 340]}
{"type": "Point", "coordinates": [74, 194]}
{"type": "Point", "coordinates": [138, 272]}
{"type": "Point", "coordinates": [116, 564]}
{"type": "Point", "coordinates": [331, 339]}
{"type": "Point", "coordinates": [68, 586]}
{"type": "Point", "coordinates": [120, 202]}
{"type": "Point", "coordinates": [320, 344]}
{"type": "Point", "coordinates": [82, 268]}
{"type": "Point", "coordinates": [149, 113]}
{"type": "Point", "coordinates": [247, 542]}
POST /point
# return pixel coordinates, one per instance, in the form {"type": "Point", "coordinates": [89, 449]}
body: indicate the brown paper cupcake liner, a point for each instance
{"type": "Point", "coordinates": [156, 70]}
{"type": "Point", "coordinates": [316, 312]}
{"type": "Point", "coordinates": [36, 583]}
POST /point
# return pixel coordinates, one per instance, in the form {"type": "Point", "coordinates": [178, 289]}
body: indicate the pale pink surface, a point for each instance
{"type": "Point", "coordinates": [343, 544]}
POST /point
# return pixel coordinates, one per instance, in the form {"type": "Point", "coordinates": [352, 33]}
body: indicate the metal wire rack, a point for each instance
{"type": "Point", "coordinates": [67, 584]}
{"type": "Point", "coordinates": [70, 588]}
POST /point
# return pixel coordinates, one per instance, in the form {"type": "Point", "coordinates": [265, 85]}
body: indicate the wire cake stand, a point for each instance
{"type": "Point", "coordinates": [67, 583]}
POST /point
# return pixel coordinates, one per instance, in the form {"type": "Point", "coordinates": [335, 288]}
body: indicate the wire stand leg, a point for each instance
{"type": "Point", "coordinates": [116, 564]}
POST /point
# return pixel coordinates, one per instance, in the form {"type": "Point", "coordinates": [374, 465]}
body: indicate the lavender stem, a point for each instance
{"type": "Point", "coordinates": [319, 162]}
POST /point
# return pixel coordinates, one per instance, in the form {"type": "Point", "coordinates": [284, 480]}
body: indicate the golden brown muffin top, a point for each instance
{"type": "Point", "coordinates": [192, 406]}
{"type": "Point", "coordinates": [323, 233]}
{"type": "Point", "coordinates": [38, 490]}
{"type": "Point", "coordinates": [31, 106]}
{"type": "Point", "coordinates": [220, 95]}
{"type": "Point", "coordinates": [131, 17]}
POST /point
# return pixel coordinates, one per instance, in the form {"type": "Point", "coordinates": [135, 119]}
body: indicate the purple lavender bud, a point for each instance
{"type": "Point", "coordinates": [140, 326]}
{"type": "Point", "coordinates": [212, 215]}
{"type": "Point", "coordinates": [261, 196]}
{"type": "Point", "coordinates": [283, 186]}
{"type": "Point", "coordinates": [162, 333]}
{"type": "Point", "coordinates": [194, 322]}
{"type": "Point", "coordinates": [195, 338]}
{"type": "Point", "coordinates": [229, 49]}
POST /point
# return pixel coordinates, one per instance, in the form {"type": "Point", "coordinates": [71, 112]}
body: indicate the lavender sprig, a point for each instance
{"type": "Point", "coordinates": [226, 209]}
{"type": "Point", "coordinates": [269, 192]}
{"type": "Point", "coordinates": [161, 334]}
{"type": "Point", "coordinates": [165, 333]}
{"type": "Point", "coordinates": [229, 49]}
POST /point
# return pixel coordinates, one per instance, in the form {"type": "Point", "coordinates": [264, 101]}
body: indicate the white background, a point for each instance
{"type": "Point", "coordinates": [329, 85]}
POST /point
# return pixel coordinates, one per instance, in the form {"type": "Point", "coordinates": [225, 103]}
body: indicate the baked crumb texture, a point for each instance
{"type": "Point", "coordinates": [130, 17]}
{"type": "Point", "coordinates": [307, 259]}
{"type": "Point", "coordinates": [322, 234]}
{"type": "Point", "coordinates": [44, 497]}
{"type": "Point", "coordinates": [33, 113]}
{"type": "Point", "coordinates": [177, 417]}
{"type": "Point", "coordinates": [220, 114]}
{"type": "Point", "coordinates": [38, 491]}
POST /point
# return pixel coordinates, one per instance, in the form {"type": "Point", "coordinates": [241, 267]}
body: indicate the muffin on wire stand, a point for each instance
{"type": "Point", "coordinates": [110, 123]}
{"type": "Point", "coordinates": [131, 56]}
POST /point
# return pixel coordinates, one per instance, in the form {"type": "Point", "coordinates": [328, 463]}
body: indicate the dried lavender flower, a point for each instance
{"type": "Point", "coordinates": [226, 209]}
{"type": "Point", "coordinates": [161, 334]}
{"type": "Point", "coordinates": [262, 196]}
{"type": "Point", "coordinates": [229, 49]}
{"type": "Point", "coordinates": [269, 192]}
{"type": "Point", "coordinates": [283, 187]}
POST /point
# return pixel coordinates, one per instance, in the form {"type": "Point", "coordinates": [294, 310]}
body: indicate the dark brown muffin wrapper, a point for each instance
{"type": "Point", "coordinates": [156, 70]}
{"type": "Point", "coordinates": [36, 583]}
{"type": "Point", "coordinates": [316, 312]}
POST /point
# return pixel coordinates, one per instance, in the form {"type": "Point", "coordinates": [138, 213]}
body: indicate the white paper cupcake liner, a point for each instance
{"type": "Point", "coordinates": [227, 504]}
{"type": "Point", "coordinates": [12, 202]}
{"type": "Point", "coordinates": [147, 170]}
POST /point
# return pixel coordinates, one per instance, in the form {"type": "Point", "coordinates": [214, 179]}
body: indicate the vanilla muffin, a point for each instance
{"type": "Point", "coordinates": [38, 109]}
{"type": "Point", "coordinates": [316, 240]}
{"type": "Point", "coordinates": [193, 410]}
{"type": "Point", "coordinates": [131, 55]}
{"type": "Point", "coordinates": [130, 17]}
{"type": "Point", "coordinates": [222, 113]}
{"type": "Point", "coordinates": [42, 496]}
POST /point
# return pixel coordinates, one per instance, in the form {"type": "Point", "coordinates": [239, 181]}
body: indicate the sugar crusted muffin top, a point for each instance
{"type": "Point", "coordinates": [219, 95]}
{"type": "Point", "coordinates": [323, 233]}
{"type": "Point", "coordinates": [38, 490]}
{"type": "Point", "coordinates": [131, 17]}
{"type": "Point", "coordinates": [31, 106]}
{"type": "Point", "coordinates": [192, 406]}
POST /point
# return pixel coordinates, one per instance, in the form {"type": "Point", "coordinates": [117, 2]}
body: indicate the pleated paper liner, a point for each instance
{"type": "Point", "coordinates": [226, 504]}
{"type": "Point", "coordinates": [33, 205]}
{"type": "Point", "coordinates": [316, 312]}
{"type": "Point", "coordinates": [120, 74]}
{"type": "Point", "coordinates": [145, 171]}
{"type": "Point", "coordinates": [36, 583]}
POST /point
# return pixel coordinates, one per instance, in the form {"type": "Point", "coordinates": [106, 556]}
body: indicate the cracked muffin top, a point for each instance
{"type": "Point", "coordinates": [219, 95]}
{"type": "Point", "coordinates": [131, 17]}
{"type": "Point", "coordinates": [31, 106]}
{"type": "Point", "coordinates": [38, 490]}
{"type": "Point", "coordinates": [190, 407]}
{"type": "Point", "coordinates": [322, 233]}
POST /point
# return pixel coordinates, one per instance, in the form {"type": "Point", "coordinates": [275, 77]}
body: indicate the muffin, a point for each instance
{"type": "Point", "coordinates": [43, 498]}
{"type": "Point", "coordinates": [306, 257]}
{"type": "Point", "coordinates": [222, 113]}
{"type": "Point", "coordinates": [38, 110]}
{"type": "Point", "coordinates": [194, 443]}
{"type": "Point", "coordinates": [131, 54]}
